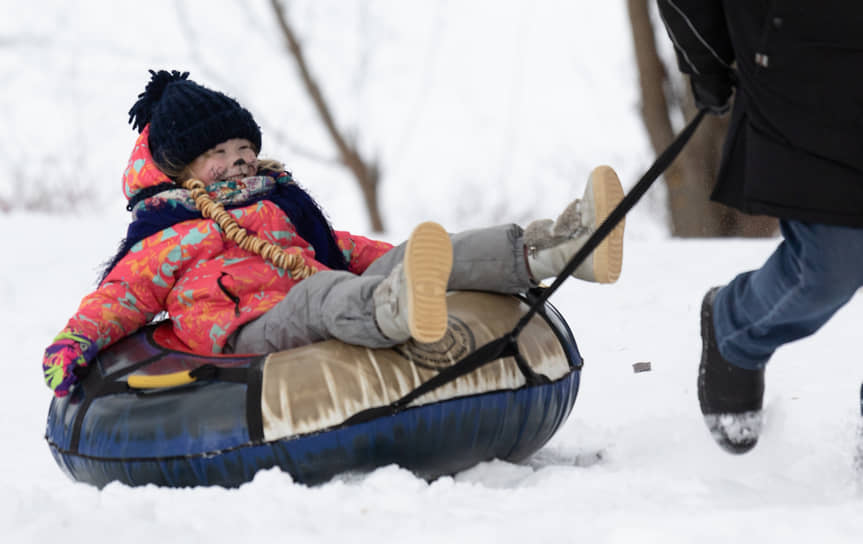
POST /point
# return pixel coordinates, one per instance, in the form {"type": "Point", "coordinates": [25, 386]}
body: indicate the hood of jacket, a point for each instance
{"type": "Point", "coordinates": [141, 172]}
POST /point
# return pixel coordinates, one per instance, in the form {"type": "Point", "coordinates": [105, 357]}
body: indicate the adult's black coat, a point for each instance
{"type": "Point", "coordinates": [795, 143]}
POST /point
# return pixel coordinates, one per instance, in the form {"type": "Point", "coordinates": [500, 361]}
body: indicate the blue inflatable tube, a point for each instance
{"type": "Point", "coordinates": [318, 410]}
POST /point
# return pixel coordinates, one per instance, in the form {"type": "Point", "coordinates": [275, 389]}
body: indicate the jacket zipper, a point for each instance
{"type": "Point", "coordinates": [234, 298]}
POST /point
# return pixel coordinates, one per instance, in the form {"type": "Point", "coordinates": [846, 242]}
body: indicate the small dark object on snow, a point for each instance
{"type": "Point", "coordinates": [641, 367]}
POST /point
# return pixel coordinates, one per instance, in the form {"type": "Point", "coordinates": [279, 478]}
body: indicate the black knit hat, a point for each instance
{"type": "Point", "coordinates": [187, 119]}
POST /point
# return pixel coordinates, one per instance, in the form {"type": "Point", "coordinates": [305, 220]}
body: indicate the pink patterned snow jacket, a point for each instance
{"type": "Point", "coordinates": [190, 268]}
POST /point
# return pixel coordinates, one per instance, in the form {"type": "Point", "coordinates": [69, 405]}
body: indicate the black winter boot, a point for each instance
{"type": "Point", "coordinates": [731, 397]}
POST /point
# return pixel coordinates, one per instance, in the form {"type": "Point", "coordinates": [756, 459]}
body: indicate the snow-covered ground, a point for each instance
{"type": "Point", "coordinates": [633, 463]}
{"type": "Point", "coordinates": [481, 112]}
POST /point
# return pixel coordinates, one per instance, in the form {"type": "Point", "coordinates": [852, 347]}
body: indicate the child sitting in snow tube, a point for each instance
{"type": "Point", "coordinates": [242, 259]}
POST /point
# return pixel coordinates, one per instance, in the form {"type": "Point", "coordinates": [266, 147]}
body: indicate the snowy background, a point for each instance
{"type": "Point", "coordinates": [480, 113]}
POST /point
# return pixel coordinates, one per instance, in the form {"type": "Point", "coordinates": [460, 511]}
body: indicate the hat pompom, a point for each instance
{"type": "Point", "coordinates": [142, 111]}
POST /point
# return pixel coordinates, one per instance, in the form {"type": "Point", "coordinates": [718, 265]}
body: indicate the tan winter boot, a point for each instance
{"type": "Point", "coordinates": [551, 244]}
{"type": "Point", "coordinates": [411, 301]}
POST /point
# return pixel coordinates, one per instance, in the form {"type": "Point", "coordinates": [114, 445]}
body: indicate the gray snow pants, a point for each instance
{"type": "Point", "coordinates": [338, 304]}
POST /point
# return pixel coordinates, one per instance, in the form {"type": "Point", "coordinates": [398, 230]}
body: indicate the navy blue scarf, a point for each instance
{"type": "Point", "coordinates": [300, 207]}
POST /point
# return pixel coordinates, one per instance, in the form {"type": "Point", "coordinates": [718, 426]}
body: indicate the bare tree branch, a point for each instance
{"type": "Point", "coordinates": [274, 132]}
{"type": "Point", "coordinates": [365, 172]}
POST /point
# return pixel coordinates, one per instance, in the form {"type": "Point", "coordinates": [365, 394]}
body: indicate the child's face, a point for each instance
{"type": "Point", "coordinates": [232, 159]}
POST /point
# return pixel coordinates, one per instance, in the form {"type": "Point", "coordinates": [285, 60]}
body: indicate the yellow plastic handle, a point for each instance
{"type": "Point", "coordinates": [174, 379]}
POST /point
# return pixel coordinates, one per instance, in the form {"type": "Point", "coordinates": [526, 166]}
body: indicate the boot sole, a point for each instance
{"type": "Point", "coordinates": [427, 265]}
{"type": "Point", "coordinates": [607, 194]}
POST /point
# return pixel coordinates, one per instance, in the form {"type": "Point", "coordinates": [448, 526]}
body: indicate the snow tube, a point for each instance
{"type": "Point", "coordinates": [151, 413]}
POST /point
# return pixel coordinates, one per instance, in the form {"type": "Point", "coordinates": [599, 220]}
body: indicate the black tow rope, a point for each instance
{"type": "Point", "coordinates": [507, 345]}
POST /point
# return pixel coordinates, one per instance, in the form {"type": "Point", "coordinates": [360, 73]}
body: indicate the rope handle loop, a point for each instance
{"type": "Point", "coordinates": [204, 372]}
{"type": "Point", "coordinates": [174, 379]}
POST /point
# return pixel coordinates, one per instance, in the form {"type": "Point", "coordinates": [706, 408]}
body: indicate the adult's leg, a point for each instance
{"type": "Point", "coordinates": [814, 272]}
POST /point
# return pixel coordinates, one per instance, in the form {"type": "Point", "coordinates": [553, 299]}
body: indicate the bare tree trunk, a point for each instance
{"type": "Point", "coordinates": [367, 173]}
{"type": "Point", "coordinates": [690, 177]}
{"type": "Point", "coordinates": [685, 191]}
{"type": "Point", "coordinates": [704, 156]}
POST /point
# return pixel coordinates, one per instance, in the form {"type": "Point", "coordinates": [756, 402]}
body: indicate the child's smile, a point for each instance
{"type": "Point", "coordinates": [232, 160]}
